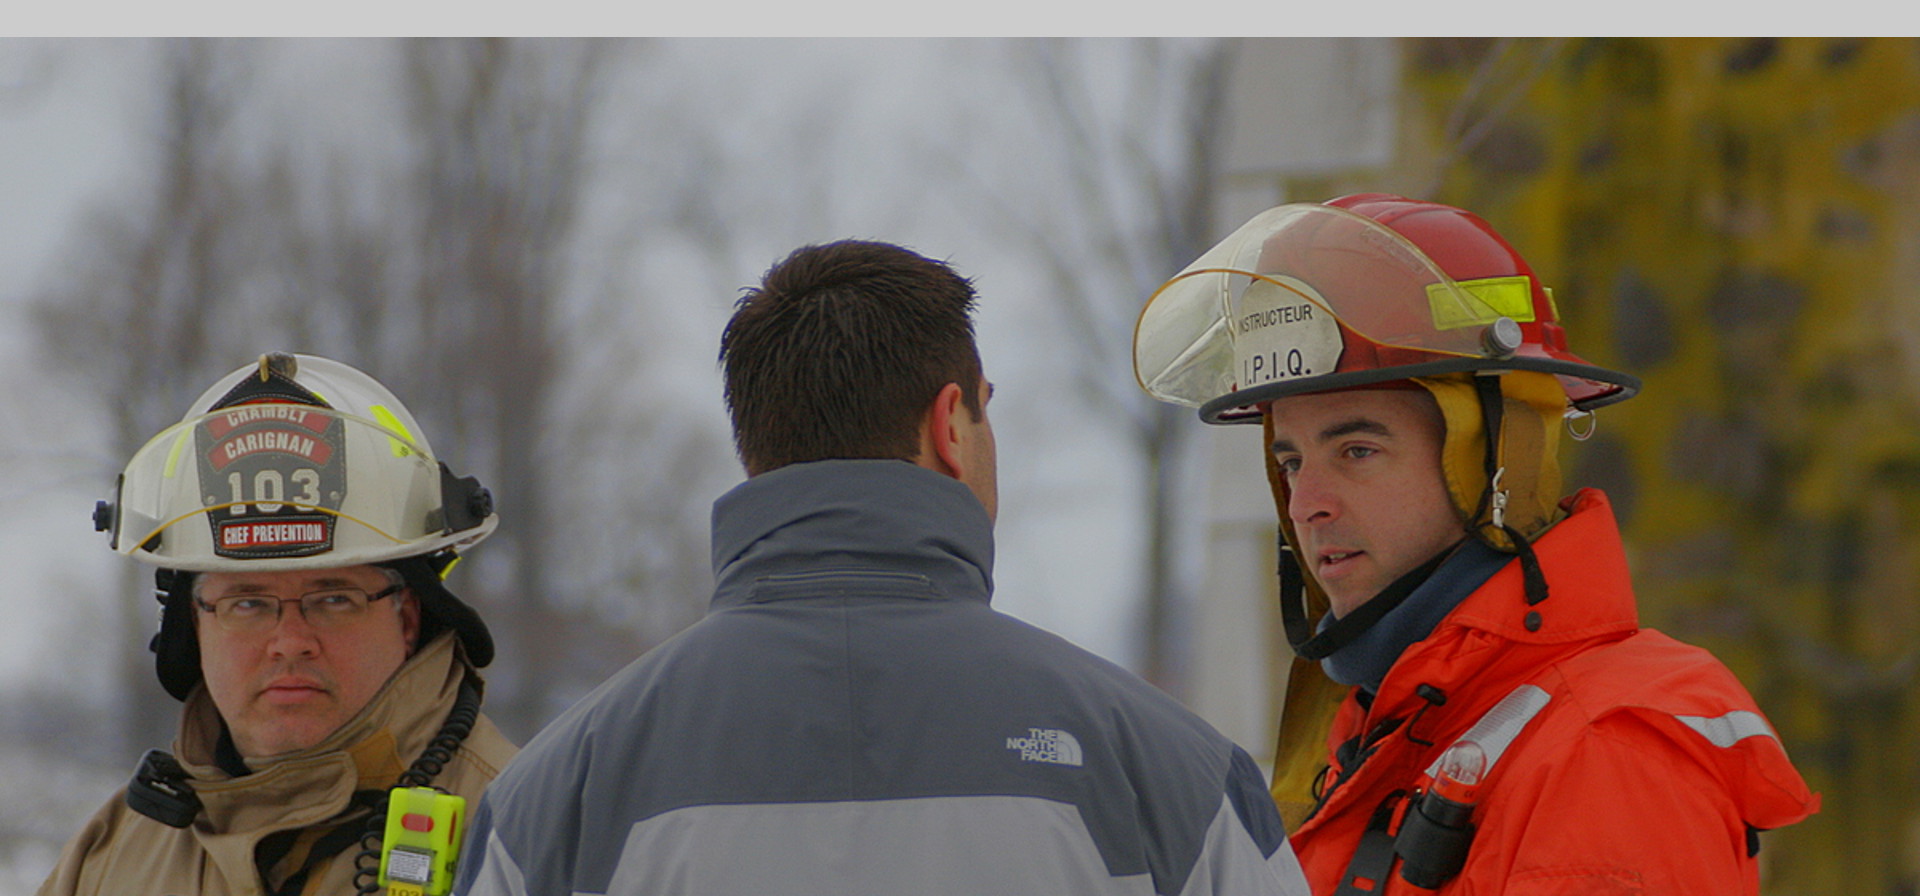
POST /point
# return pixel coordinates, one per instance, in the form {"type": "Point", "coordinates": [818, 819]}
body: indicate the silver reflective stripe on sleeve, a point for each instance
{"type": "Point", "coordinates": [1496, 730]}
{"type": "Point", "coordinates": [1732, 728]}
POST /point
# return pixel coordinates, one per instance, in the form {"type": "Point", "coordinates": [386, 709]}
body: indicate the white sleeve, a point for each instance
{"type": "Point", "coordinates": [497, 874]}
{"type": "Point", "coordinates": [1232, 863]}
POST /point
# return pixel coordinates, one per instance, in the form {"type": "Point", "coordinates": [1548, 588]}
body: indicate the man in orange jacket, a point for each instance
{"type": "Point", "coordinates": [1475, 708]}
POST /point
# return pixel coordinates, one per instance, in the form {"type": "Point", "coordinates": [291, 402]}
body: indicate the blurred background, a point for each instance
{"type": "Point", "coordinates": [535, 242]}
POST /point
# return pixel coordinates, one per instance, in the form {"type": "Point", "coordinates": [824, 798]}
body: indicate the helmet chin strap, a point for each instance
{"type": "Point", "coordinates": [1493, 501]}
{"type": "Point", "coordinates": [1320, 645]}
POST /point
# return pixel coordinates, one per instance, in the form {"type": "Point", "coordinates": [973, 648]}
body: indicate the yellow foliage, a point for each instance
{"type": "Point", "coordinates": [1737, 221]}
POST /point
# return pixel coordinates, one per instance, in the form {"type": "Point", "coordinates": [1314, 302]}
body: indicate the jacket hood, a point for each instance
{"type": "Point", "coordinates": [308, 786]}
{"type": "Point", "coordinates": [852, 514]}
{"type": "Point", "coordinates": [1493, 640]}
{"type": "Point", "coordinates": [1597, 602]}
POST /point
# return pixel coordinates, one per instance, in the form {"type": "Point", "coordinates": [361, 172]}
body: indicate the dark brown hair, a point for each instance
{"type": "Point", "coordinates": [841, 349]}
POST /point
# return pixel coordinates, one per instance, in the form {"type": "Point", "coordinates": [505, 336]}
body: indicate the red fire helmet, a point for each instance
{"type": "Point", "coordinates": [1362, 289]}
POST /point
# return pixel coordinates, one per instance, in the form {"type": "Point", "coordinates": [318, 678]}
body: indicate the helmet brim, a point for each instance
{"type": "Point", "coordinates": [1596, 386]}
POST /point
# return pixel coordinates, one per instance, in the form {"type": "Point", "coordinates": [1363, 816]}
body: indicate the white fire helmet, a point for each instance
{"type": "Point", "coordinates": [296, 462]}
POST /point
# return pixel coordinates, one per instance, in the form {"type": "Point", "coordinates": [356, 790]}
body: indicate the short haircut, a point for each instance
{"type": "Point", "coordinates": [840, 351]}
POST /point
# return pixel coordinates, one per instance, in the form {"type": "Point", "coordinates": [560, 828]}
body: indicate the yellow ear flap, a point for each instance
{"type": "Point", "coordinates": [1533, 405]}
{"type": "Point", "coordinates": [1300, 749]}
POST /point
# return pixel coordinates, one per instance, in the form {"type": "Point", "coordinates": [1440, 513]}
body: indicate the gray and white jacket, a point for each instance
{"type": "Point", "coordinates": [852, 718]}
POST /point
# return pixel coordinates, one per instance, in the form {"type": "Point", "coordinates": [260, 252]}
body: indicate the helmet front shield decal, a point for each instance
{"type": "Point", "coordinates": [270, 481]}
{"type": "Point", "coordinates": [272, 476]}
{"type": "Point", "coordinates": [1283, 330]}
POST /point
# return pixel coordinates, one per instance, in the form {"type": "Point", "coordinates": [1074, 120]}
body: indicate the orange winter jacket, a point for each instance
{"type": "Point", "coordinates": [1632, 763]}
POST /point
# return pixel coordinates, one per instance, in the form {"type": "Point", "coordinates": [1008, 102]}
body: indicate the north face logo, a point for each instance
{"type": "Point", "coordinates": [1047, 745]}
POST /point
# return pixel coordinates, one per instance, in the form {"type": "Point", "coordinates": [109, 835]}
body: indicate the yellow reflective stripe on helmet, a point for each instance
{"type": "Point", "coordinates": [1495, 297]}
{"type": "Point", "coordinates": [388, 420]}
{"type": "Point", "coordinates": [173, 455]}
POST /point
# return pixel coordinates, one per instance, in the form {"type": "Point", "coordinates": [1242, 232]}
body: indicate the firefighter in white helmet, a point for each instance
{"type": "Point", "coordinates": [301, 527]}
{"type": "Point", "coordinates": [1475, 708]}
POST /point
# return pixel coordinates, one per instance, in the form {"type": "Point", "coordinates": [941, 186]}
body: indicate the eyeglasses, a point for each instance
{"type": "Point", "coordinates": [253, 614]}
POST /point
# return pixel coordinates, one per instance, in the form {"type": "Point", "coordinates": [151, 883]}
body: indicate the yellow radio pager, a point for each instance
{"type": "Point", "coordinates": [422, 841]}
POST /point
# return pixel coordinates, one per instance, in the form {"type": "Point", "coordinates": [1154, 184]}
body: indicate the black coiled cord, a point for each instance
{"type": "Point", "coordinates": [439, 752]}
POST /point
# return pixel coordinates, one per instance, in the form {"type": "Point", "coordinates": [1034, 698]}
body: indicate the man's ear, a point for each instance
{"type": "Point", "coordinates": [941, 441]}
{"type": "Point", "coordinates": [410, 620]}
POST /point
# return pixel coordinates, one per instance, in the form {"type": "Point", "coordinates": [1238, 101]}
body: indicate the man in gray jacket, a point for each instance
{"type": "Point", "coordinates": [851, 716]}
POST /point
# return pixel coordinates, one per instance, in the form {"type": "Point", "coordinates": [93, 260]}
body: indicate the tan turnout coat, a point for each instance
{"type": "Point", "coordinates": [123, 853]}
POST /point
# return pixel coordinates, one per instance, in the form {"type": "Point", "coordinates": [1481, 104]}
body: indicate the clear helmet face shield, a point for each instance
{"type": "Point", "coordinates": [1308, 297]}
{"type": "Point", "coordinates": [285, 486]}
